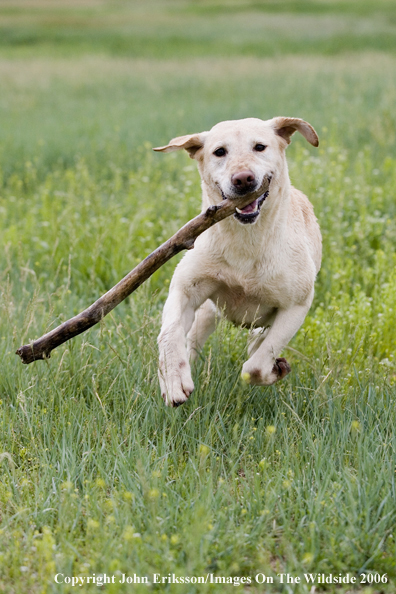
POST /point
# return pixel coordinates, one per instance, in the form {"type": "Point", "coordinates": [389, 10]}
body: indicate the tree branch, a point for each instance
{"type": "Point", "coordinates": [182, 240]}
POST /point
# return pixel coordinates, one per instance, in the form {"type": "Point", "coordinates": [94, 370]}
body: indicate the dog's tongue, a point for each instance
{"type": "Point", "coordinates": [252, 207]}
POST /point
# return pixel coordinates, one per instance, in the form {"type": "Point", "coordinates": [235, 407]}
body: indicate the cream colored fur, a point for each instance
{"type": "Point", "coordinates": [261, 274]}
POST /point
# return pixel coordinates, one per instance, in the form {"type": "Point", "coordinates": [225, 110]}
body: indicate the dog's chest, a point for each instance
{"type": "Point", "coordinates": [249, 296]}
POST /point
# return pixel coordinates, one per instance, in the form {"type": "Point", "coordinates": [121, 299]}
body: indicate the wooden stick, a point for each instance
{"type": "Point", "coordinates": [182, 240]}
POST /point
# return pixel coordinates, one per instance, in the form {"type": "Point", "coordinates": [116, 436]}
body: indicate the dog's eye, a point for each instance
{"type": "Point", "coordinates": [260, 148]}
{"type": "Point", "coordinates": [220, 152]}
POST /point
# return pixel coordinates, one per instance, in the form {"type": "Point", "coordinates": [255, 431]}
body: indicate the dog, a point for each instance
{"type": "Point", "coordinates": [256, 267]}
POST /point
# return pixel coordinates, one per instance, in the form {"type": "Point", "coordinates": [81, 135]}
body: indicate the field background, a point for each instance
{"type": "Point", "coordinates": [96, 475]}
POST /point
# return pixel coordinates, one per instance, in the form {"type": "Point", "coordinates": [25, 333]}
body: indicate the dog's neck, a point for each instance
{"type": "Point", "coordinates": [245, 246]}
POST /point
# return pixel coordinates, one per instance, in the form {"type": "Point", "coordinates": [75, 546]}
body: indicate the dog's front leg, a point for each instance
{"type": "Point", "coordinates": [185, 297]}
{"type": "Point", "coordinates": [264, 368]}
{"type": "Point", "coordinates": [174, 370]}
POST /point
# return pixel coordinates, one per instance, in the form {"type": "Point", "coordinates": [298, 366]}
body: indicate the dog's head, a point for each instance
{"type": "Point", "coordinates": [241, 157]}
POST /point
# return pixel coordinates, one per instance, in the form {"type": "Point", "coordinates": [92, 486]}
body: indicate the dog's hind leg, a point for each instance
{"type": "Point", "coordinates": [203, 326]}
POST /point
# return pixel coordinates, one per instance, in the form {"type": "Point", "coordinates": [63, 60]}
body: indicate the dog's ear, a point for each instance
{"type": "Point", "coordinates": [191, 143]}
{"type": "Point", "coordinates": [285, 127]}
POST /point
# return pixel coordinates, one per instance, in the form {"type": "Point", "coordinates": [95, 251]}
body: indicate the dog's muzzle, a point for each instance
{"type": "Point", "coordinates": [250, 213]}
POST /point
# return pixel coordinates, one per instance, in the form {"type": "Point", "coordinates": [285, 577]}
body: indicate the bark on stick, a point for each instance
{"type": "Point", "coordinates": [182, 240]}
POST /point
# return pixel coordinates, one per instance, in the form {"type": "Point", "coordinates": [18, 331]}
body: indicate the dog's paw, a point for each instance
{"type": "Point", "coordinates": [257, 377]}
{"type": "Point", "coordinates": [176, 387]}
{"type": "Point", "coordinates": [281, 368]}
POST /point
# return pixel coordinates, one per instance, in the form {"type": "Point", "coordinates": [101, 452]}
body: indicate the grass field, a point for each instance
{"type": "Point", "coordinates": [96, 475]}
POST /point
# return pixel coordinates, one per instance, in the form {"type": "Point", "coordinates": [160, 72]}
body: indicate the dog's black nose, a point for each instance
{"type": "Point", "coordinates": [243, 180]}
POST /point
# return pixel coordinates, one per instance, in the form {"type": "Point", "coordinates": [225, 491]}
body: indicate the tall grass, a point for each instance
{"type": "Point", "coordinates": [96, 474]}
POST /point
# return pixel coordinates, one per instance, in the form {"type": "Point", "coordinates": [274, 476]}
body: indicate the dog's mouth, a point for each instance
{"type": "Point", "coordinates": [250, 213]}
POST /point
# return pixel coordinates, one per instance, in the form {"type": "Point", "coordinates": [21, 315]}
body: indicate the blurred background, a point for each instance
{"type": "Point", "coordinates": [99, 78]}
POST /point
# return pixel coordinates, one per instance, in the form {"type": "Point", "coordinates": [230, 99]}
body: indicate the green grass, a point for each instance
{"type": "Point", "coordinates": [96, 475]}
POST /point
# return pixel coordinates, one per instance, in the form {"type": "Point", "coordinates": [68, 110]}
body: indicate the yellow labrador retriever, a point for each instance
{"type": "Point", "coordinates": [257, 267]}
